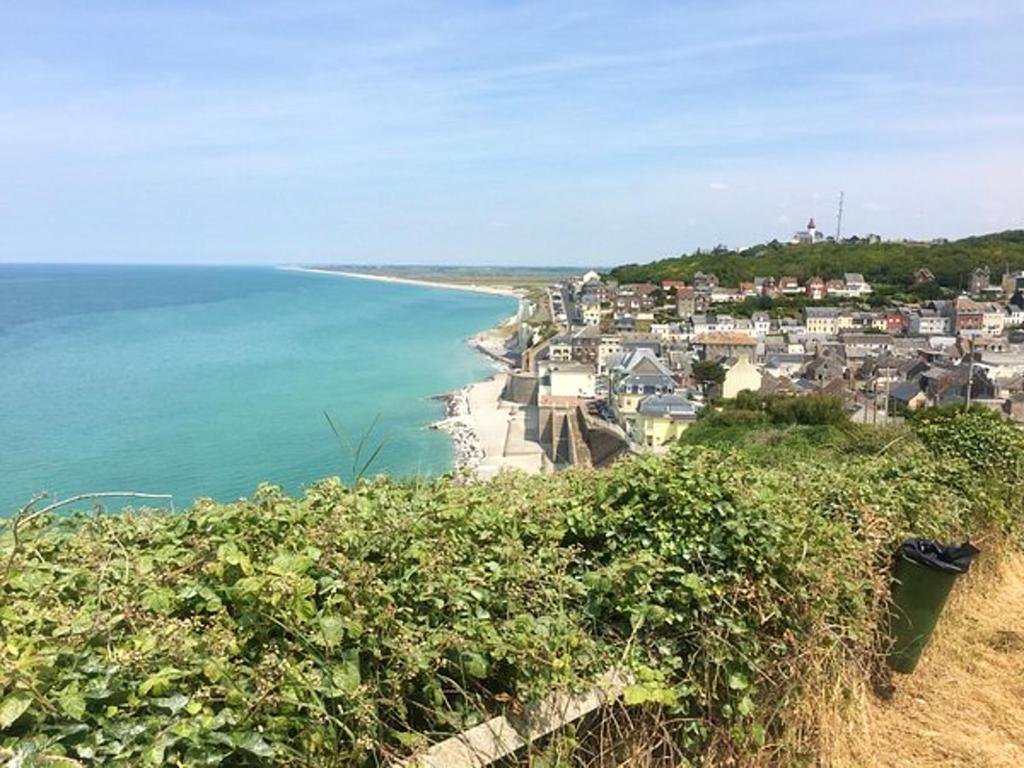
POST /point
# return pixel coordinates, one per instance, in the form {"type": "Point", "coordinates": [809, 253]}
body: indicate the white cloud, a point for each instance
{"type": "Point", "coordinates": [718, 186]}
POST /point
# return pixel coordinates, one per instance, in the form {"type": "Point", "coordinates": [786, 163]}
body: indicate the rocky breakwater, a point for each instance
{"type": "Point", "coordinates": [458, 422]}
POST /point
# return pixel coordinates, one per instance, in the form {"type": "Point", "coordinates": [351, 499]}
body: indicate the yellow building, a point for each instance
{"type": "Point", "coordinates": [739, 375]}
{"type": "Point", "coordinates": [661, 419]}
{"type": "Point", "coordinates": [822, 320]}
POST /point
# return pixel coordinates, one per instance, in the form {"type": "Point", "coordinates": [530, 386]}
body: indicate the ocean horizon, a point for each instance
{"type": "Point", "coordinates": [203, 381]}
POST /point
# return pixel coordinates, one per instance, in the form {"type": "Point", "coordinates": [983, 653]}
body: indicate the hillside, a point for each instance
{"type": "Point", "coordinates": [881, 263]}
{"type": "Point", "coordinates": [740, 589]}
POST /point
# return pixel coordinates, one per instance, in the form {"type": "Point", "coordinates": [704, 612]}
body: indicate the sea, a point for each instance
{"type": "Point", "coordinates": [206, 381]}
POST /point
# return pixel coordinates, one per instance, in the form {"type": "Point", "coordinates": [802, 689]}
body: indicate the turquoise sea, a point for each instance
{"type": "Point", "coordinates": [204, 381]}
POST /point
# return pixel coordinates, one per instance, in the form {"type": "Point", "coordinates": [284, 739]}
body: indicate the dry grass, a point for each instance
{"type": "Point", "coordinates": [964, 705]}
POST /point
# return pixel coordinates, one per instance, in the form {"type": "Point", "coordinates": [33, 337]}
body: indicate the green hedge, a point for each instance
{"type": "Point", "coordinates": [351, 626]}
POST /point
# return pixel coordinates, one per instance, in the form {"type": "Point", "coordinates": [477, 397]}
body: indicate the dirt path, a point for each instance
{"type": "Point", "coordinates": [964, 705]}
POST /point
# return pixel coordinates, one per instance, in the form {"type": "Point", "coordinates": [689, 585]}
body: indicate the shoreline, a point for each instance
{"type": "Point", "coordinates": [487, 433]}
{"type": "Point", "coordinates": [490, 290]}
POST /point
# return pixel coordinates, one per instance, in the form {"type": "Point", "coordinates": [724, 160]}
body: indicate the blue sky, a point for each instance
{"type": "Point", "coordinates": [499, 133]}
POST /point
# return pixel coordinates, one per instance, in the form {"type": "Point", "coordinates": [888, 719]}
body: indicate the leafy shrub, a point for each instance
{"type": "Point", "coordinates": [808, 410]}
{"type": "Point", "coordinates": [353, 625]}
{"type": "Point", "coordinates": [979, 436]}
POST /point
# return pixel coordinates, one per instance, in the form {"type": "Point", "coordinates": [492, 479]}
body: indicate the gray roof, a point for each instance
{"type": "Point", "coordinates": [646, 382]}
{"type": "Point", "coordinates": [821, 312]}
{"type": "Point", "coordinates": [675, 407]}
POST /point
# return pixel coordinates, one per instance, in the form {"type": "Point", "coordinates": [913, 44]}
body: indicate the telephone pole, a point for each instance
{"type": "Point", "coordinates": [839, 219]}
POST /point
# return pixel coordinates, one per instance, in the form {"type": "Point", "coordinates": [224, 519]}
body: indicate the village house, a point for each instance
{"type": "Point", "coordinates": [897, 322]}
{"type": "Point", "coordinates": [928, 322]}
{"type": "Point", "coordinates": [766, 286]}
{"type": "Point", "coordinates": [969, 317]}
{"type": "Point", "coordinates": [782, 364]}
{"type": "Point", "coordinates": [689, 302]}
{"type": "Point", "coordinates": [609, 345]}
{"type": "Point", "coordinates": [635, 375]}
{"type": "Point", "coordinates": [821, 320]}
{"type": "Point", "coordinates": [560, 349]}
{"type": "Point", "coordinates": [705, 281]}
{"type": "Point", "coordinates": [585, 342]}
{"type": "Point", "coordinates": [922, 276]}
{"type": "Point", "coordinates": [711, 323]}
{"type": "Point", "coordinates": [835, 287]}
{"type": "Point", "coordinates": [1012, 282]}
{"type": "Point", "coordinates": [740, 374]}
{"type": "Point", "coordinates": [567, 384]}
{"type": "Point", "coordinates": [816, 289]}
{"type": "Point", "coordinates": [762, 324]}
{"type": "Point", "coordinates": [823, 369]}
{"type": "Point", "coordinates": [590, 310]}
{"type": "Point", "coordinates": [789, 285]}
{"type": "Point", "coordinates": [855, 285]}
{"type": "Point", "coordinates": [632, 298]}
{"type": "Point", "coordinates": [726, 344]}
{"type": "Point", "coordinates": [908, 396]}
{"type": "Point", "coordinates": [848, 320]}
{"type": "Point", "coordinates": [749, 290]}
{"type": "Point", "coordinates": [993, 318]}
{"type": "Point", "coordinates": [722, 294]}
{"type": "Point", "coordinates": [979, 281]}
{"type": "Point", "coordinates": [661, 419]}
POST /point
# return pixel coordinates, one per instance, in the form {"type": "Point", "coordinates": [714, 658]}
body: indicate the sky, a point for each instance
{"type": "Point", "coordinates": [527, 133]}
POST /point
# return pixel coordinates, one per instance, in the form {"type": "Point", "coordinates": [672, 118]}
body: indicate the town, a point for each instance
{"type": "Point", "coordinates": [604, 368]}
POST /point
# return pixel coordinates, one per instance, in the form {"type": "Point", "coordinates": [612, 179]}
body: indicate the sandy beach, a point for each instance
{"type": "Point", "coordinates": [471, 287]}
{"type": "Point", "coordinates": [489, 434]}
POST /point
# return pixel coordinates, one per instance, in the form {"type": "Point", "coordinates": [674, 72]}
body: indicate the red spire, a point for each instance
{"type": "Point", "coordinates": [810, 224]}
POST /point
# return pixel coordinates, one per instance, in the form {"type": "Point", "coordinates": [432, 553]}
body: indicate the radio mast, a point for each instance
{"type": "Point", "coordinates": [839, 218]}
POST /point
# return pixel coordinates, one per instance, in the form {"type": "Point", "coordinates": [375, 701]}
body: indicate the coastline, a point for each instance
{"type": "Point", "coordinates": [488, 434]}
{"type": "Point", "coordinates": [381, 278]}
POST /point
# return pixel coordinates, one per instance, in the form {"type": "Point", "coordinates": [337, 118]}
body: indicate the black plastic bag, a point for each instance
{"type": "Point", "coordinates": [942, 557]}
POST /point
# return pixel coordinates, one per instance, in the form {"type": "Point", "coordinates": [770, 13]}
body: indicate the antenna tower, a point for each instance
{"type": "Point", "coordinates": [839, 219]}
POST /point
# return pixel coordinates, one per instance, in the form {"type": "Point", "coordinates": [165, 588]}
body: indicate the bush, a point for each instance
{"type": "Point", "coordinates": [979, 436]}
{"type": "Point", "coordinates": [353, 625]}
{"type": "Point", "coordinates": [807, 410]}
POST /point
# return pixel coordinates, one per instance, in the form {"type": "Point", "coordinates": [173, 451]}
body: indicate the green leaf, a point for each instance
{"type": "Point", "coordinates": [213, 670]}
{"type": "Point", "coordinates": [175, 703]}
{"type": "Point", "coordinates": [649, 692]}
{"type": "Point", "coordinates": [738, 682]}
{"type": "Point", "coordinates": [474, 664]}
{"type": "Point", "coordinates": [346, 676]}
{"type": "Point", "coordinates": [159, 682]}
{"type": "Point", "coordinates": [72, 702]}
{"type": "Point", "coordinates": [159, 600]}
{"type": "Point", "coordinates": [286, 563]}
{"type": "Point", "coordinates": [254, 744]}
{"type": "Point", "coordinates": [745, 707]}
{"type": "Point", "coordinates": [757, 731]}
{"type": "Point", "coordinates": [333, 630]}
{"type": "Point", "coordinates": [13, 707]}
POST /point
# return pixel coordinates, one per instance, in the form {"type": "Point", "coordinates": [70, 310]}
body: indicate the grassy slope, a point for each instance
{"type": "Point", "coordinates": [961, 707]}
{"type": "Point", "coordinates": [883, 263]}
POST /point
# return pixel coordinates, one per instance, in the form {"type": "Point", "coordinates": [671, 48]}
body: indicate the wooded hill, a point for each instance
{"type": "Point", "coordinates": [882, 263]}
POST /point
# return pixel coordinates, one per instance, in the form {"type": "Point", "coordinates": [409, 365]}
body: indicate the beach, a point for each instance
{"type": "Point", "coordinates": [488, 433]}
{"type": "Point", "coordinates": [471, 287]}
